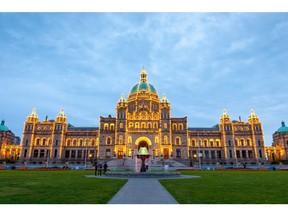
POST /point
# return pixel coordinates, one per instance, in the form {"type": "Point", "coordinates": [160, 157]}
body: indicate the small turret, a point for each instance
{"type": "Point", "coordinates": [61, 118]}
{"type": "Point", "coordinates": [253, 118]}
{"type": "Point", "coordinates": [164, 99]}
{"type": "Point", "coordinates": [225, 118]}
{"type": "Point", "coordinates": [33, 117]}
{"type": "Point", "coordinates": [122, 99]}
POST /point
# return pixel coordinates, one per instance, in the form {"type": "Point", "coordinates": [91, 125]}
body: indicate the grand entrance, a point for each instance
{"type": "Point", "coordinates": [143, 144]}
{"type": "Point", "coordinates": [166, 153]}
{"type": "Point", "coordinates": [120, 153]}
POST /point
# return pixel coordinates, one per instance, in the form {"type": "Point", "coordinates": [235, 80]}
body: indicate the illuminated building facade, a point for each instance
{"type": "Point", "coordinates": [279, 149]}
{"type": "Point", "coordinates": [10, 148]}
{"type": "Point", "coordinates": [143, 120]}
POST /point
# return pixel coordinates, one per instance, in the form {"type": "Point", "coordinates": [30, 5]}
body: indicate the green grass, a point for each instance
{"type": "Point", "coordinates": [55, 187]}
{"type": "Point", "coordinates": [230, 187]}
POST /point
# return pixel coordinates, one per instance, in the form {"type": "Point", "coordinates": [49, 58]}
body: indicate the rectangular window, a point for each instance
{"type": "Point", "coordinates": [35, 154]}
{"type": "Point", "coordinates": [73, 153]}
{"type": "Point", "coordinates": [260, 154]}
{"type": "Point", "coordinates": [26, 142]}
{"type": "Point", "coordinates": [259, 143]}
{"type": "Point", "coordinates": [42, 153]}
{"type": "Point", "coordinates": [47, 153]}
{"type": "Point", "coordinates": [213, 154]}
{"type": "Point", "coordinates": [55, 153]}
{"type": "Point", "coordinates": [178, 153]}
{"type": "Point", "coordinates": [206, 154]}
{"type": "Point", "coordinates": [56, 142]}
{"type": "Point", "coordinates": [79, 154]}
{"type": "Point", "coordinates": [238, 153]}
{"type": "Point", "coordinates": [230, 153]}
{"type": "Point", "coordinates": [250, 154]}
{"type": "Point", "coordinates": [229, 143]}
{"type": "Point", "coordinates": [219, 154]}
{"type": "Point", "coordinates": [108, 153]}
{"type": "Point", "coordinates": [67, 154]}
{"type": "Point", "coordinates": [244, 154]}
{"type": "Point", "coordinates": [25, 153]}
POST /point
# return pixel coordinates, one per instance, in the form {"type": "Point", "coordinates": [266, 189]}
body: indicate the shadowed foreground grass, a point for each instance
{"type": "Point", "coordinates": [55, 187]}
{"type": "Point", "coordinates": [230, 187]}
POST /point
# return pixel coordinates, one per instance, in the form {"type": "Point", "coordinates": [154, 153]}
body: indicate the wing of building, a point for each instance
{"type": "Point", "coordinates": [10, 148]}
{"type": "Point", "coordinates": [143, 119]}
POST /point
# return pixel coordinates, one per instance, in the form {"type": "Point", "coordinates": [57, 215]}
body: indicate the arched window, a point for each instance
{"type": "Point", "coordinates": [149, 125]}
{"type": "Point", "coordinates": [37, 141]}
{"type": "Point", "coordinates": [242, 142]}
{"type": "Point", "coordinates": [236, 142]}
{"type": "Point", "coordinates": [143, 125]}
{"type": "Point", "coordinates": [68, 142]}
{"type": "Point", "coordinates": [211, 142]}
{"type": "Point", "coordinates": [177, 141]}
{"type": "Point", "coordinates": [165, 139]}
{"type": "Point", "coordinates": [180, 127]}
{"type": "Point", "coordinates": [248, 142]}
{"type": "Point", "coordinates": [193, 143]}
{"type": "Point", "coordinates": [121, 125]}
{"type": "Point", "coordinates": [108, 141]}
{"type": "Point", "coordinates": [218, 143]}
{"type": "Point", "coordinates": [121, 139]}
{"type": "Point", "coordinates": [131, 125]}
{"type": "Point", "coordinates": [155, 125]}
{"type": "Point", "coordinates": [93, 142]}
{"type": "Point", "coordinates": [129, 139]}
{"type": "Point", "coordinates": [80, 142]}
{"type": "Point", "coordinates": [174, 126]}
{"type": "Point", "coordinates": [105, 126]}
{"type": "Point", "coordinates": [137, 125]}
{"type": "Point", "coordinates": [112, 126]}
{"type": "Point", "coordinates": [74, 142]}
{"type": "Point", "coordinates": [200, 143]}
{"type": "Point", "coordinates": [205, 143]}
{"type": "Point", "coordinates": [44, 142]}
{"type": "Point", "coordinates": [156, 139]}
{"type": "Point", "coordinates": [165, 125]}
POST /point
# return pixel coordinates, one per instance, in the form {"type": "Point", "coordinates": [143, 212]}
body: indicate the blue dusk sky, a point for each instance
{"type": "Point", "coordinates": [203, 62]}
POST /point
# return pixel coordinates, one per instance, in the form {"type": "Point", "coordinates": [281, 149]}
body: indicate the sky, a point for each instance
{"type": "Point", "coordinates": [203, 62]}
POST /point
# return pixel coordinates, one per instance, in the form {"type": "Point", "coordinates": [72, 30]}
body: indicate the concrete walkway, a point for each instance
{"type": "Point", "coordinates": [143, 191]}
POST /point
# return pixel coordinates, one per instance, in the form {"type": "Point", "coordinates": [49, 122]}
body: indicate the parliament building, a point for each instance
{"type": "Point", "coordinates": [143, 120]}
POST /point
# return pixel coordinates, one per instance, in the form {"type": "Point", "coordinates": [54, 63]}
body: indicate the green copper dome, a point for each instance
{"type": "Point", "coordinates": [283, 128]}
{"type": "Point", "coordinates": [3, 127]}
{"type": "Point", "coordinates": [143, 85]}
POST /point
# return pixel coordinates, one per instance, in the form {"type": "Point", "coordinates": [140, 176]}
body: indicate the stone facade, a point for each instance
{"type": "Point", "coordinates": [143, 120]}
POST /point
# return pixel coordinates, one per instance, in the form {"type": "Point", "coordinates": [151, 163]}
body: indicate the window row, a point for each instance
{"type": "Point", "coordinates": [177, 126]}
{"type": "Point", "coordinates": [80, 142]}
{"type": "Point", "coordinates": [205, 143]}
{"type": "Point", "coordinates": [145, 125]}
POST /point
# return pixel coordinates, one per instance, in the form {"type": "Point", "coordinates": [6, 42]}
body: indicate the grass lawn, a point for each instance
{"type": "Point", "coordinates": [230, 187]}
{"type": "Point", "coordinates": [55, 187]}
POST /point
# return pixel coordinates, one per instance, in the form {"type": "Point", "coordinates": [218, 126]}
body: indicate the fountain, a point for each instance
{"type": "Point", "coordinates": [143, 154]}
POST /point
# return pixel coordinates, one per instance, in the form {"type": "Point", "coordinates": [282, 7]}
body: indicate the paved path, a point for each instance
{"type": "Point", "coordinates": [143, 191]}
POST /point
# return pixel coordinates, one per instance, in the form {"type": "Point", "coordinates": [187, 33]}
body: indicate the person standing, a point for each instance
{"type": "Point", "coordinates": [100, 168]}
{"type": "Point", "coordinates": [96, 167]}
{"type": "Point", "coordinates": [105, 167]}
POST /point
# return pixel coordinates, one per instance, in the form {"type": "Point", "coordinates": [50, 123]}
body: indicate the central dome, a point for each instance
{"type": "Point", "coordinates": [143, 85]}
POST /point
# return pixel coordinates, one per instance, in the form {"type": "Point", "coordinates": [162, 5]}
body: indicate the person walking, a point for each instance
{"type": "Point", "coordinates": [100, 169]}
{"type": "Point", "coordinates": [105, 167]}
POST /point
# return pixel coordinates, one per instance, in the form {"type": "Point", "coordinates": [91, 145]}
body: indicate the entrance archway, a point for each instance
{"type": "Point", "coordinates": [143, 144]}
